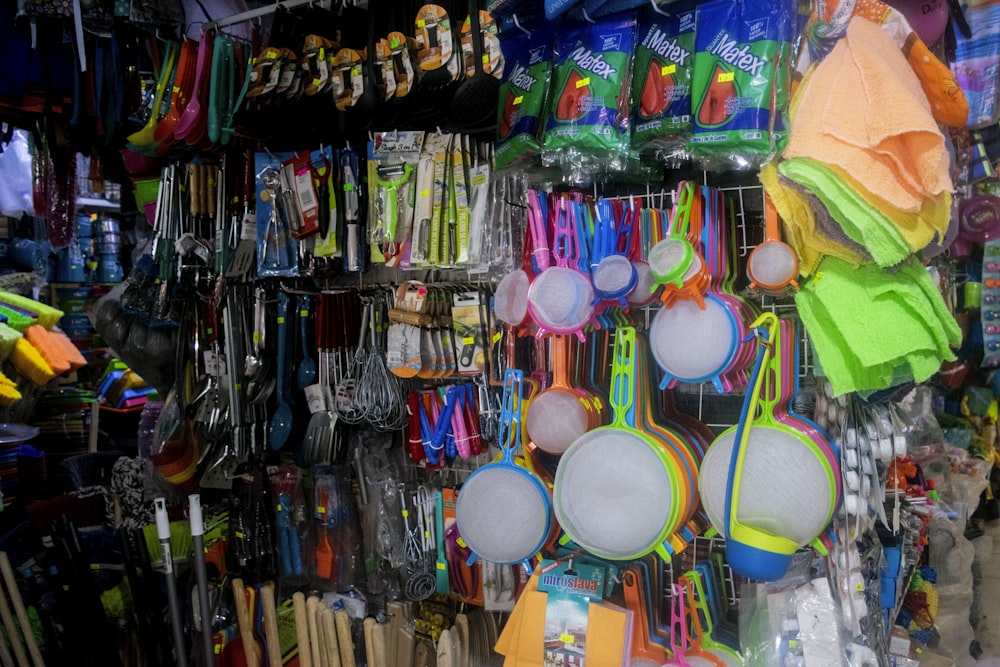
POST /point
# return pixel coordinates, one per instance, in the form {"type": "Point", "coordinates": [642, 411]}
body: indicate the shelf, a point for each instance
{"type": "Point", "coordinates": [99, 204]}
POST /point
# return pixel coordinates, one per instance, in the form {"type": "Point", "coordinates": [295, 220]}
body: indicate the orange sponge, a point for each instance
{"type": "Point", "coordinates": [50, 350]}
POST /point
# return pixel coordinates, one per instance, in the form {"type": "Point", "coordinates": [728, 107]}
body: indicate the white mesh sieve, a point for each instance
{"type": "Point", "coordinates": [555, 419]}
{"type": "Point", "coordinates": [772, 263]}
{"type": "Point", "coordinates": [501, 514]}
{"type": "Point", "coordinates": [511, 300]}
{"type": "Point", "coordinates": [613, 274]}
{"type": "Point", "coordinates": [643, 284]}
{"type": "Point", "coordinates": [693, 269]}
{"type": "Point", "coordinates": [612, 493]}
{"type": "Point", "coordinates": [666, 255]}
{"type": "Point", "coordinates": [561, 299]}
{"type": "Point", "coordinates": [690, 343]}
{"type": "Point", "coordinates": [785, 488]}
{"type": "Point", "coordinates": [643, 662]}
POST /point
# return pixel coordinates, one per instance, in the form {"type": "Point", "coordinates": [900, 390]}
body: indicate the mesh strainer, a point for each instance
{"type": "Point", "coordinates": [740, 483]}
{"type": "Point", "coordinates": [557, 416]}
{"type": "Point", "coordinates": [510, 302]}
{"type": "Point", "coordinates": [773, 264]}
{"type": "Point", "coordinates": [560, 299]}
{"type": "Point", "coordinates": [617, 493]}
{"type": "Point", "coordinates": [692, 344]}
{"type": "Point", "coordinates": [503, 512]}
{"type": "Point", "coordinates": [614, 276]}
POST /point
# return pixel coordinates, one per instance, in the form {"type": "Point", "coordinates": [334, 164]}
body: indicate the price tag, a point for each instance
{"type": "Point", "coordinates": [518, 100]}
{"type": "Point", "coordinates": [726, 77]}
{"type": "Point", "coordinates": [668, 69]}
{"type": "Point", "coordinates": [583, 82]}
{"type": "Point", "coordinates": [248, 229]}
{"type": "Point", "coordinates": [213, 363]}
{"type": "Point", "coordinates": [315, 398]}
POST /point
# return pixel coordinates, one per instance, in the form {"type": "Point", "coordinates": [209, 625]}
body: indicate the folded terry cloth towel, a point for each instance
{"type": "Point", "coordinates": [870, 327]}
{"type": "Point", "coordinates": [862, 109]}
{"type": "Point", "coordinates": [800, 224]}
{"type": "Point", "coordinates": [826, 226]}
{"type": "Point", "coordinates": [886, 232]}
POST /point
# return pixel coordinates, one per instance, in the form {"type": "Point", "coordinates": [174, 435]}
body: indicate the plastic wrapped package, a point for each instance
{"type": "Point", "coordinates": [951, 555]}
{"type": "Point", "coordinates": [794, 621]}
{"type": "Point", "coordinates": [15, 177]}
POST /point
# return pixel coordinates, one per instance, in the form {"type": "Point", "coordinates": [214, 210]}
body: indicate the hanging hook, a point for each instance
{"type": "Point", "coordinates": [517, 24]}
{"type": "Point", "coordinates": [587, 16]}
{"type": "Point", "coordinates": [656, 8]}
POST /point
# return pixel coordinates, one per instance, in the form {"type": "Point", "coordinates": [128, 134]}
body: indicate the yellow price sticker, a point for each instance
{"type": "Point", "coordinates": [567, 638]}
{"type": "Point", "coordinates": [426, 192]}
{"type": "Point", "coordinates": [468, 340]}
{"type": "Point", "coordinates": [726, 77]}
{"type": "Point", "coordinates": [496, 337]}
{"type": "Point", "coordinates": [518, 99]}
{"type": "Point", "coordinates": [442, 566]}
{"type": "Point", "coordinates": [421, 23]}
{"type": "Point", "coordinates": [668, 69]}
{"type": "Point", "coordinates": [460, 542]}
{"type": "Point", "coordinates": [406, 513]}
{"type": "Point", "coordinates": [281, 320]}
{"type": "Point", "coordinates": [583, 82]}
{"type": "Point", "coordinates": [321, 509]}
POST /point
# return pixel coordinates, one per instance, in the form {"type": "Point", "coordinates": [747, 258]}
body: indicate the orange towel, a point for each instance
{"type": "Point", "coordinates": [948, 103]}
{"type": "Point", "coordinates": [863, 110]}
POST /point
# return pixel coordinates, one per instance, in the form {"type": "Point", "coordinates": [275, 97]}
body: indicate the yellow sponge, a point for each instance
{"type": "Point", "coordinates": [30, 363]}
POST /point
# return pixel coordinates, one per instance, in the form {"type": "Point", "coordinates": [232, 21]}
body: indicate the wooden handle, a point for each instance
{"type": "Point", "coordinates": [194, 189]}
{"type": "Point", "coordinates": [22, 616]}
{"type": "Point", "coordinates": [246, 624]}
{"type": "Point", "coordinates": [312, 606]}
{"type": "Point", "coordinates": [344, 640]}
{"type": "Point", "coordinates": [13, 636]}
{"type": "Point", "coordinates": [211, 189]}
{"type": "Point", "coordinates": [330, 636]}
{"type": "Point", "coordinates": [271, 625]}
{"type": "Point", "coordinates": [378, 644]}
{"type": "Point", "coordinates": [302, 630]}
{"type": "Point", "coordinates": [369, 627]}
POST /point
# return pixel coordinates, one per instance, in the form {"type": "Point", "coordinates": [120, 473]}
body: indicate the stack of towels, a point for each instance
{"type": "Point", "coordinates": [863, 185]}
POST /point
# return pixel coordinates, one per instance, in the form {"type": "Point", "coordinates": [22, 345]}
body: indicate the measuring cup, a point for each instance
{"type": "Point", "coordinates": [560, 299]}
{"type": "Point", "coordinates": [773, 264]}
{"type": "Point", "coordinates": [617, 492]}
{"type": "Point", "coordinates": [744, 468]}
{"type": "Point", "coordinates": [557, 416]}
{"type": "Point", "coordinates": [503, 511]}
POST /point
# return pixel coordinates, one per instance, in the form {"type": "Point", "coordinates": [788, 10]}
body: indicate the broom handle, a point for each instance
{"type": "Point", "coordinates": [12, 635]}
{"type": "Point", "coordinates": [201, 576]}
{"type": "Point", "coordinates": [302, 629]}
{"type": "Point", "coordinates": [246, 625]}
{"type": "Point", "coordinates": [22, 615]}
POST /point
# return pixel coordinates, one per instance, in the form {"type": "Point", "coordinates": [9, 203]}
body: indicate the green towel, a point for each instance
{"type": "Point", "coordinates": [8, 337]}
{"type": "Point", "coordinates": [863, 223]}
{"type": "Point", "coordinates": [48, 316]}
{"type": "Point", "coordinates": [873, 329]}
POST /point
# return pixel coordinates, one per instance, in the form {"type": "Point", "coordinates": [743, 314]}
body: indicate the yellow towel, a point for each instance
{"type": "Point", "coordinates": [800, 225]}
{"type": "Point", "coordinates": [863, 110]}
{"type": "Point", "coordinates": [918, 229]}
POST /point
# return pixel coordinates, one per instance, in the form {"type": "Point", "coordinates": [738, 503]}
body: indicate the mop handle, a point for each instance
{"type": "Point", "coordinates": [163, 531]}
{"type": "Point", "coordinates": [201, 576]}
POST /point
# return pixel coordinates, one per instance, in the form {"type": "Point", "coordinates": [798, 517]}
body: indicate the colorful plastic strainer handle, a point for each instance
{"type": "Point", "coordinates": [509, 431]}
{"type": "Point", "coordinates": [623, 377]}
